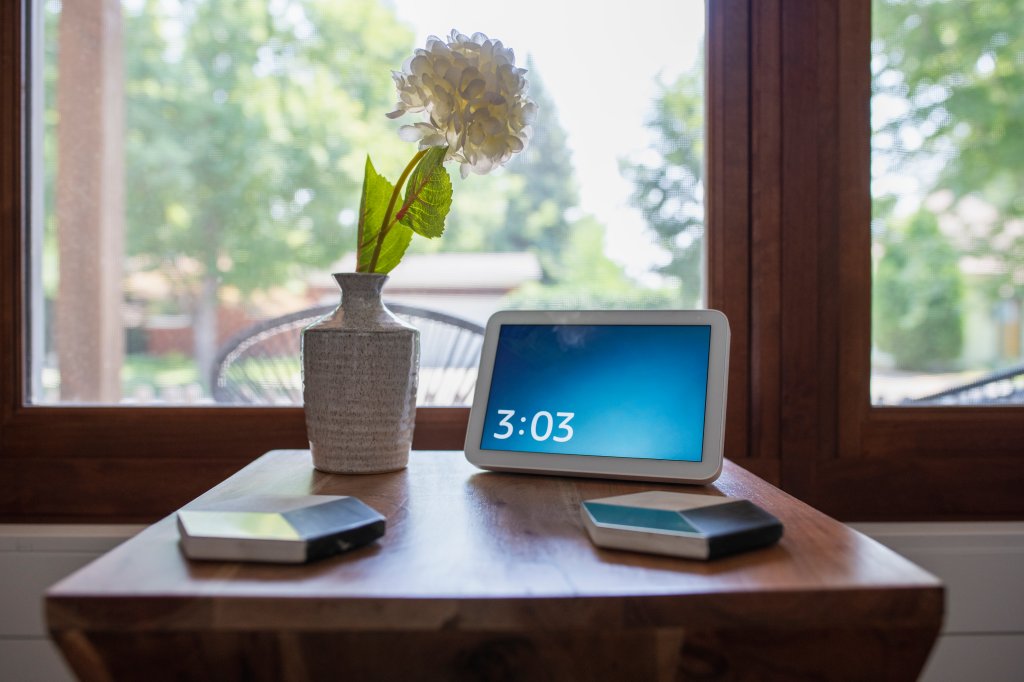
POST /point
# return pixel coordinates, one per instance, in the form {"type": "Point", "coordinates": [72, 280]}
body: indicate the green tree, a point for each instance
{"type": "Point", "coordinates": [589, 279]}
{"type": "Point", "coordinates": [917, 297]}
{"type": "Point", "coordinates": [669, 180]}
{"type": "Point", "coordinates": [247, 129]}
{"type": "Point", "coordinates": [949, 110]}
{"type": "Point", "coordinates": [535, 218]}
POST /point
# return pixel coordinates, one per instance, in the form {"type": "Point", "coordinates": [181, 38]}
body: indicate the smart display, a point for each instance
{"type": "Point", "coordinates": [599, 390]}
{"type": "Point", "coordinates": [634, 394]}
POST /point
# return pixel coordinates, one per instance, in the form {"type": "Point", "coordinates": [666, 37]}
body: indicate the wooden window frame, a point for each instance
{"type": "Point", "coordinates": [77, 463]}
{"type": "Point", "coordinates": [811, 297]}
{"type": "Point", "coordinates": [788, 213]}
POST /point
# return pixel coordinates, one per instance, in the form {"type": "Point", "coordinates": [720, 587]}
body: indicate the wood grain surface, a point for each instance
{"type": "Point", "coordinates": [491, 576]}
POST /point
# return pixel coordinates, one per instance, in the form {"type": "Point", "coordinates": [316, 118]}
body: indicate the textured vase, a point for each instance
{"type": "Point", "coordinates": [360, 368]}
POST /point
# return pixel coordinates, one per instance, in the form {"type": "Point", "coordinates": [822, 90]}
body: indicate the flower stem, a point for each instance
{"type": "Point", "coordinates": [385, 226]}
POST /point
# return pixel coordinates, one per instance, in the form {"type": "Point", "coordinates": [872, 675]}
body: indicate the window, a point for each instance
{"type": "Point", "coordinates": [902, 461]}
{"type": "Point", "coordinates": [215, 109]}
{"type": "Point", "coordinates": [789, 260]}
{"type": "Point", "coordinates": [948, 224]}
{"type": "Point", "coordinates": [199, 166]}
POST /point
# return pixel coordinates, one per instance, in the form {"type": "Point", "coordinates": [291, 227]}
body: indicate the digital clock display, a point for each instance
{"type": "Point", "coordinates": [635, 391]}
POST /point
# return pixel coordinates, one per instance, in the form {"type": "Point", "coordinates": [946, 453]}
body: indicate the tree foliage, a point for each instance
{"type": "Point", "coordinates": [668, 179]}
{"type": "Point", "coordinates": [589, 279]}
{"type": "Point", "coordinates": [247, 128]}
{"type": "Point", "coordinates": [949, 111]}
{"type": "Point", "coordinates": [247, 124]}
{"type": "Point", "coordinates": [536, 217]}
{"type": "Point", "coordinates": [917, 297]}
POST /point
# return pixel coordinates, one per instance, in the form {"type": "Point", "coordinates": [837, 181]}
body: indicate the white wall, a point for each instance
{"type": "Point", "coordinates": [982, 565]}
{"type": "Point", "coordinates": [33, 557]}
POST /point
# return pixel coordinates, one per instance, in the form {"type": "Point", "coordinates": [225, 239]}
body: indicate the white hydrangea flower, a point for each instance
{"type": "Point", "coordinates": [474, 97]}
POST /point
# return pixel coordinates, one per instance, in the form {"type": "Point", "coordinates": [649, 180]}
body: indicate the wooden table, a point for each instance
{"type": "Point", "coordinates": [491, 576]}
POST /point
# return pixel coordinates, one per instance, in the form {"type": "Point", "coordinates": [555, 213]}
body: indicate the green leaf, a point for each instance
{"type": "Point", "coordinates": [428, 196]}
{"type": "Point", "coordinates": [372, 206]}
{"type": "Point", "coordinates": [396, 241]}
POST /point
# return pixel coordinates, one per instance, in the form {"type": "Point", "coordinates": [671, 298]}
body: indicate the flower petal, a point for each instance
{"type": "Point", "coordinates": [417, 131]}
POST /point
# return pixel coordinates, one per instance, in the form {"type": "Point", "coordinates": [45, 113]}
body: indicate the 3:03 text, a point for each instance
{"type": "Point", "coordinates": [542, 426]}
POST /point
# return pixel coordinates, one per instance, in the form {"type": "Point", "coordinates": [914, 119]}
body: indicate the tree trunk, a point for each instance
{"type": "Point", "coordinates": [204, 328]}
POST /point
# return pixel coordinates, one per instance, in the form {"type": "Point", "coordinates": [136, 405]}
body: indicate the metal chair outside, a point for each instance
{"type": "Point", "coordinates": [261, 365]}
{"type": "Point", "coordinates": [1005, 387]}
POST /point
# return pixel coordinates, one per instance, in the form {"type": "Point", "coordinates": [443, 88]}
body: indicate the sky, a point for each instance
{"type": "Point", "coordinates": [599, 63]}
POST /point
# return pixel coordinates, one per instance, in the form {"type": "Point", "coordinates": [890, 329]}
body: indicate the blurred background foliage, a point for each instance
{"type": "Point", "coordinates": [247, 125]}
{"type": "Point", "coordinates": [948, 170]}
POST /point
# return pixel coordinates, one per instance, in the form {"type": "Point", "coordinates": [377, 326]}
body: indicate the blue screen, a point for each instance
{"type": "Point", "coordinates": [612, 391]}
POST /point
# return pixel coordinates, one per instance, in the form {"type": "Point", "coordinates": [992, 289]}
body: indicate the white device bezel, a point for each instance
{"type": "Point", "coordinates": [704, 471]}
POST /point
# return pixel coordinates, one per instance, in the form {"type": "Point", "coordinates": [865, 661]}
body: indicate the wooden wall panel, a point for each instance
{"type": "Point", "coordinates": [826, 224]}
{"type": "Point", "coordinates": [800, 178]}
{"type": "Point", "coordinates": [727, 207]}
{"type": "Point", "coordinates": [853, 220]}
{"type": "Point", "coordinates": [765, 231]}
{"type": "Point", "coordinates": [12, 137]}
{"type": "Point", "coordinates": [102, 463]}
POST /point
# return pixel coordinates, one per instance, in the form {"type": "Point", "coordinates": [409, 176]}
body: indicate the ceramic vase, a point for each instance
{"type": "Point", "coordinates": [360, 369]}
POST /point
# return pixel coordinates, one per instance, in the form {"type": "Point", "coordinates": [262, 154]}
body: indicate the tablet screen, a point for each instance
{"type": "Point", "coordinates": [635, 391]}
